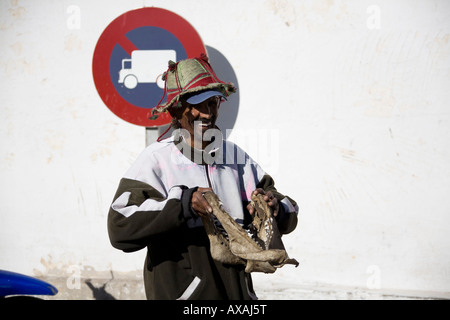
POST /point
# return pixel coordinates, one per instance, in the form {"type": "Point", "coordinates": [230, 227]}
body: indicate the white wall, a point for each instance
{"type": "Point", "coordinates": [355, 92]}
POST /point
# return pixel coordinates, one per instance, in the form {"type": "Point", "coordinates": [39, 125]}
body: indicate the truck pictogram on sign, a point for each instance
{"type": "Point", "coordinates": [145, 66]}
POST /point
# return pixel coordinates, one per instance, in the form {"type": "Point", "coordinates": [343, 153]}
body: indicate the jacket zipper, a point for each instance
{"type": "Point", "coordinates": [207, 176]}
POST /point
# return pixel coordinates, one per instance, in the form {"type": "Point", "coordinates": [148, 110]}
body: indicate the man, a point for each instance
{"type": "Point", "coordinates": [159, 202]}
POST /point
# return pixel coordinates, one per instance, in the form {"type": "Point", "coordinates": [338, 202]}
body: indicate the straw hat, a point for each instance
{"type": "Point", "coordinates": [188, 78]}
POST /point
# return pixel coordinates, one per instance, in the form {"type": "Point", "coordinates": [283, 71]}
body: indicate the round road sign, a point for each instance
{"type": "Point", "coordinates": [131, 55]}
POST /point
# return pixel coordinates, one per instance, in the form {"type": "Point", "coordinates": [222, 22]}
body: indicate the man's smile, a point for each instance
{"type": "Point", "coordinates": [204, 124]}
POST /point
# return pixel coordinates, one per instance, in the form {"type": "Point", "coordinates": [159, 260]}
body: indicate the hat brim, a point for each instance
{"type": "Point", "coordinates": [225, 88]}
{"type": "Point", "coordinates": [204, 95]}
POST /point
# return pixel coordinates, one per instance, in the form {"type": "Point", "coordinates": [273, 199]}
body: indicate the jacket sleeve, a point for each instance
{"type": "Point", "coordinates": [288, 208]}
{"type": "Point", "coordinates": [139, 213]}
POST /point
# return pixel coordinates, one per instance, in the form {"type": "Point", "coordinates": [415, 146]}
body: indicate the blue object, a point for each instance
{"type": "Point", "coordinates": [202, 96]}
{"type": "Point", "coordinates": [12, 283]}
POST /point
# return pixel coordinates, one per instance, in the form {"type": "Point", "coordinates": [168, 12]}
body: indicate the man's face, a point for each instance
{"type": "Point", "coordinates": [197, 118]}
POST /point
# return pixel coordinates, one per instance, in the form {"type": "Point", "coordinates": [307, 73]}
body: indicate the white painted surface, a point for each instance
{"type": "Point", "coordinates": [355, 91]}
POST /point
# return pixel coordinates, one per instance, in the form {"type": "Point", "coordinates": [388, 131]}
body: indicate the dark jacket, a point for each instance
{"type": "Point", "coordinates": [151, 209]}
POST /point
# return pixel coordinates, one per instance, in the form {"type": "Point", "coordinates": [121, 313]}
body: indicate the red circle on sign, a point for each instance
{"type": "Point", "coordinates": [115, 32]}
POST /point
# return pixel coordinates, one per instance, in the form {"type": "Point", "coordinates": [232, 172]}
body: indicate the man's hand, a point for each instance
{"type": "Point", "coordinates": [199, 203]}
{"type": "Point", "coordinates": [269, 198]}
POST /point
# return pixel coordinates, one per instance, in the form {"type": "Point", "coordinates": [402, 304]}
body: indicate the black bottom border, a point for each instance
{"type": "Point", "coordinates": [260, 309]}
